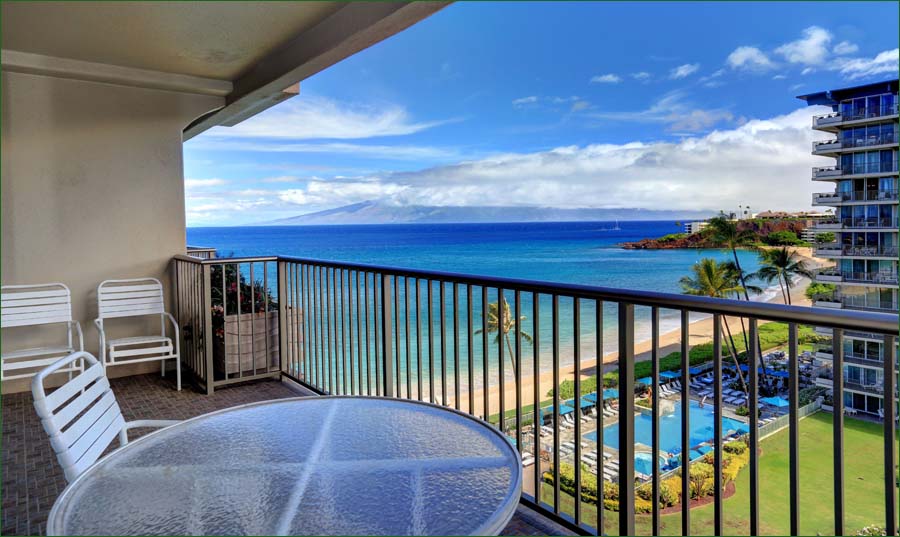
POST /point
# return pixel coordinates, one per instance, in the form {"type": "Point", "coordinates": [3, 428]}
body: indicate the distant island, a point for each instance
{"type": "Point", "coordinates": [374, 212]}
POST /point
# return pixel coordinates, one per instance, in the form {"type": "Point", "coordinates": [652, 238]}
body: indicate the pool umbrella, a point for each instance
{"type": "Point", "coordinates": [775, 401]}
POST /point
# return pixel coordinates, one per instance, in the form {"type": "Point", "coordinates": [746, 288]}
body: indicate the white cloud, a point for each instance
{"type": "Point", "coordinates": [749, 58]}
{"type": "Point", "coordinates": [707, 172]}
{"type": "Point", "coordinates": [376, 151]}
{"type": "Point", "coordinates": [702, 172]}
{"type": "Point", "coordinates": [884, 62]}
{"type": "Point", "coordinates": [579, 106]}
{"type": "Point", "coordinates": [683, 71]}
{"type": "Point", "coordinates": [673, 111]}
{"type": "Point", "coordinates": [641, 76]}
{"type": "Point", "coordinates": [779, 77]}
{"type": "Point", "coordinates": [306, 117]}
{"type": "Point", "coordinates": [811, 49]}
{"type": "Point", "coordinates": [845, 47]}
{"type": "Point", "coordinates": [522, 101]}
{"type": "Point", "coordinates": [609, 78]}
{"type": "Point", "coordinates": [281, 179]}
{"type": "Point", "coordinates": [192, 184]}
{"type": "Point", "coordinates": [807, 71]}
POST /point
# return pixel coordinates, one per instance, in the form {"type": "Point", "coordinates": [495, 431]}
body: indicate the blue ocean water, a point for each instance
{"type": "Point", "coordinates": [570, 252]}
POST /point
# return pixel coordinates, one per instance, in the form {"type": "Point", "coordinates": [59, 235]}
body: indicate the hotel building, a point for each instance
{"type": "Point", "coordinates": [862, 187]}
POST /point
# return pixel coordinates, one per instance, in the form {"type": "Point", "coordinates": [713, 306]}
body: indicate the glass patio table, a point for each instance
{"type": "Point", "coordinates": [304, 466]}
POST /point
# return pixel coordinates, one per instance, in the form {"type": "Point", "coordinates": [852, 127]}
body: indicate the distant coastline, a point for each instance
{"type": "Point", "coordinates": [702, 239]}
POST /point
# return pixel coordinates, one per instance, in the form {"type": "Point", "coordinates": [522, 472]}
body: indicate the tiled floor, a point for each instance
{"type": "Point", "coordinates": [32, 479]}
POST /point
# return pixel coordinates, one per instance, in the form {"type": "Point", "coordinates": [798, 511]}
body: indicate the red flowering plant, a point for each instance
{"type": "Point", "coordinates": [235, 293]}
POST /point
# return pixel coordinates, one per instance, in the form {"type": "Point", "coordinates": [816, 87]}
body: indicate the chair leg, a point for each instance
{"type": "Point", "coordinates": [162, 367]}
{"type": "Point", "coordinates": [178, 372]}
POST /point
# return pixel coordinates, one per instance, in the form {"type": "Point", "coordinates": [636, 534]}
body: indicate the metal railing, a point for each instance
{"type": "Point", "coordinates": [859, 195]}
{"type": "Point", "coordinates": [848, 142]}
{"type": "Point", "coordinates": [500, 349]}
{"type": "Point", "coordinates": [886, 278]}
{"type": "Point", "coordinates": [460, 340]}
{"type": "Point", "coordinates": [839, 117]}
{"type": "Point", "coordinates": [228, 313]}
{"type": "Point", "coordinates": [857, 168]}
{"type": "Point", "coordinates": [201, 252]}
{"type": "Point", "coordinates": [837, 249]}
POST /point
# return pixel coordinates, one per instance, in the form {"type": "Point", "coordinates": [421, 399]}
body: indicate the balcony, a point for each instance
{"type": "Point", "coordinates": [834, 120]}
{"type": "Point", "coordinates": [862, 169]}
{"type": "Point", "coordinates": [864, 303]}
{"type": "Point", "coordinates": [856, 358]}
{"type": "Point", "coordinates": [863, 224]}
{"type": "Point", "coordinates": [352, 328]}
{"type": "Point", "coordinates": [833, 275]}
{"type": "Point", "coordinates": [832, 199]}
{"type": "Point", "coordinates": [837, 250]}
{"type": "Point", "coordinates": [821, 147]}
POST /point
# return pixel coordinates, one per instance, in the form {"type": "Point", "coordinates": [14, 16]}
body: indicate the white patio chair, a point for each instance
{"type": "Point", "coordinates": [82, 416]}
{"type": "Point", "coordinates": [40, 305]}
{"type": "Point", "coordinates": [136, 298]}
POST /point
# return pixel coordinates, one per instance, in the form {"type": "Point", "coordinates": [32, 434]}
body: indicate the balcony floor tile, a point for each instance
{"type": "Point", "coordinates": [32, 478]}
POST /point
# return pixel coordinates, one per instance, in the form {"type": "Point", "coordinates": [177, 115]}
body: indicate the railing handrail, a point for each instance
{"type": "Point", "coordinates": [225, 260]}
{"type": "Point", "coordinates": [880, 323]}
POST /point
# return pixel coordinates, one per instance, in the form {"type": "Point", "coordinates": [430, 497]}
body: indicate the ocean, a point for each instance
{"type": "Point", "coordinates": [570, 252]}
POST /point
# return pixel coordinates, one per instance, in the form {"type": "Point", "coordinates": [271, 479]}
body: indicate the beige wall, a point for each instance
{"type": "Point", "coordinates": [92, 188]}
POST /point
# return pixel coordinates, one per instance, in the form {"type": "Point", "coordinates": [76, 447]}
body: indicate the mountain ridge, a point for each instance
{"type": "Point", "coordinates": [372, 212]}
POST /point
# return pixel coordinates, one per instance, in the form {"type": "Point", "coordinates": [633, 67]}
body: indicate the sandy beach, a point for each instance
{"type": "Point", "coordinates": [700, 331]}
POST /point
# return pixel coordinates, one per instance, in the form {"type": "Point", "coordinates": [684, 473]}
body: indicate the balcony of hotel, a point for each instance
{"type": "Point", "coordinates": [94, 190]}
{"type": "Point", "coordinates": [872, 359]}
{"type": "Point", "coordinates": [875, 279]}
{"type": "Point", "coordinates": [856, 224]}
{"type": "Point", "coordinates": [861, 302]}
{"type": "Point", "coordinates": [864, 169]}
{"type": "Point", "coordinates": [833, 121]}
{"type": "Point", "coordinates": [838, 145]}
{"type": "Point", "coordinates": [836, 250]}
{"type": "Point", "coordinates": [834, 198]}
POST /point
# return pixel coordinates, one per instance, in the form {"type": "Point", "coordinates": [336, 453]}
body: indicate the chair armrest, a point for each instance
{"type": "Point", "coordinates": [149, 423]}
{"type": "Point", "coordinates": [176, 339]}
{"type": "Point", "coordinates": [77, 326]}
{"type": "Point", "coordinates": [123, 434]}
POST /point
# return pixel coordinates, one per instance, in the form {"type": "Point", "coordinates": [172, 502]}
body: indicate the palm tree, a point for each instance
{"type": "Point", "coordinates": [783, 266]}
{"type": "Point", "coordinates": [714, 279]}
{"type": "Point", "coordinates": [726, 233]}
{"type": "Point", "coordinates": [504, 327]}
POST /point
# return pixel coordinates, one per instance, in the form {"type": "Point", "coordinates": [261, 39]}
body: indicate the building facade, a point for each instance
{"type": "Point", "coordinates": [862, 188]}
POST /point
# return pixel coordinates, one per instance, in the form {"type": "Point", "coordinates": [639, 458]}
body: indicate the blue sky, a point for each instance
{"type": "Point", "coordinates": [653, 105]}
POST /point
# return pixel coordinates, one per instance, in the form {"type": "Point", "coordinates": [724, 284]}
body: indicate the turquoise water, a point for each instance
{"type": "Point", "coordinates": [575, 252]}
{"type": "Point", "coordinates": [701, 422]}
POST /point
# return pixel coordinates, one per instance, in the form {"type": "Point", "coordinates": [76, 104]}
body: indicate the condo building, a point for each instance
{"type": "Point", "coordinates": [862, 188]}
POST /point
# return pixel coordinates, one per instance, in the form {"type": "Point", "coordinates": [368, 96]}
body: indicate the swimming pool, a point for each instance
{"type": "Point", "coordinates": [701, 421]}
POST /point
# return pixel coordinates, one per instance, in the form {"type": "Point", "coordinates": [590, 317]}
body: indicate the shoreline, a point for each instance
{"type": "Point", "coordinates": [700, 331]}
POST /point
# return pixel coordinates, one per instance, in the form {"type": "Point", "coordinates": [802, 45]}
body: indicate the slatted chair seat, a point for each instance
{"type": "Point", "coordinates": [82, 416]}
{"type": "Point", "coordinates": [41, 305]}
{"type": "Point", "coordinates": [118, 299]}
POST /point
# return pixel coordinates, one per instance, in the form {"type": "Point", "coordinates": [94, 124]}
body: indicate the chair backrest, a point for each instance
{"type": "Point", "coordinates": [30, 305]}
{"type": "Point", "coordinates": [82, 416]}
{"type": "Point", "coordinates": [129, 298]}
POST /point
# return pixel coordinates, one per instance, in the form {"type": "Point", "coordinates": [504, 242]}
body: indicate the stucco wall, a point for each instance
{"type": "Point", "coordinates": [92, 189]}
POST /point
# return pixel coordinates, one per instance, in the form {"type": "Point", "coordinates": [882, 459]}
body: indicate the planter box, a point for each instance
{"type": "Point", "coordinates": [251, 345]}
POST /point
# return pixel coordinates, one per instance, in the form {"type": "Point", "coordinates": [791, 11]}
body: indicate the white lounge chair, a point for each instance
{"type": "Point", "coordinates": [136, 298]}
{"type": "Point", "coordinates": [82, 416]}
{"type": "Point", "coordinates": [42, 305]}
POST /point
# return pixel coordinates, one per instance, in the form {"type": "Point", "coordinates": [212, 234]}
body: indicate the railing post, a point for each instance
{"type": "Point", "coordinates": [207, 328]}
{"type": "Point", "coordinates": [890, 440]}
{"type": "Point", "coordinates": [386, 353]}
{"type": "Point", "coordinates": [626, 418]}
{"type": "Point", "coordinates": [282, 315]}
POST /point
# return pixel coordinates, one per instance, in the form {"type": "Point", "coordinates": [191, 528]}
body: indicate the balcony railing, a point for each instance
{"type": "Point", "coordinates": [854, 223]}
{"type": "Point", "coordinates": [829, 198]}
{"type": "Point", "coordinates": [481, 345]}
{"type": "Point", "coordinates": [833, 249]}
{"type": "Point", "coordinates": [201, 252]}
{"type": "Point", "coordinates": [866, 303]}
{"type": "Point", "coordinates": [832, 274]}
{"type": "Point", "coordinates": [838, 117]}
{"type": "Point", "coordinates": [848, 142]}
{"type": "Point", "coordinates": [861, 168]}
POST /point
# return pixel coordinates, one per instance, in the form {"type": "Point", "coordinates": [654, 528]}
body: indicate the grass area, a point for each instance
{"type": "Point", "coordinates": [863, 490]}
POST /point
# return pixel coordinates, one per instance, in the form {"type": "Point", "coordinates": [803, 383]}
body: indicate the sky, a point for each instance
{"type": "Point", "coordinates": [654, 105]}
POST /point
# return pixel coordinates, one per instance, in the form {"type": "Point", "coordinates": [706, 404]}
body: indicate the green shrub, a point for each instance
{"type": "Point", "coordinates": [782, 238]}
{"type": "Point", "coordinates": [742, 410]}
{"type": "Point", "coordinates": [735, 447]}
{"type": "Point", "coordinates": [701, 477]}
{"type": "Point", "coordinates": [642, 506]}
{"type": "Point", "coordinates": [672, 237]}
{"type": "Point", "coordinates": [588, 483]}
{"type": "Point", "coordinates": [816, 289]}
{"type": "Point", "coordinates": [611, 505]}
{"type": "Point", "coordinates": [567, 388]}
{"type": "Point", "coordinates": [669, 491]}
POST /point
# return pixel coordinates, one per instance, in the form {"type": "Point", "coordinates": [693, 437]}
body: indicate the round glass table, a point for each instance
{"type": "Point", "coordinates": [304, 466]}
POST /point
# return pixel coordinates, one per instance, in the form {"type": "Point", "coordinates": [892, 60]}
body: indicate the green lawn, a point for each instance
{"type": "Point", "coordinates": [863, 490]}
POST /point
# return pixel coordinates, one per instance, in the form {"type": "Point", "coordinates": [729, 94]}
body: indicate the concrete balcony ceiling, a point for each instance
{"type": "Point", "coordinates": [253, 54]}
